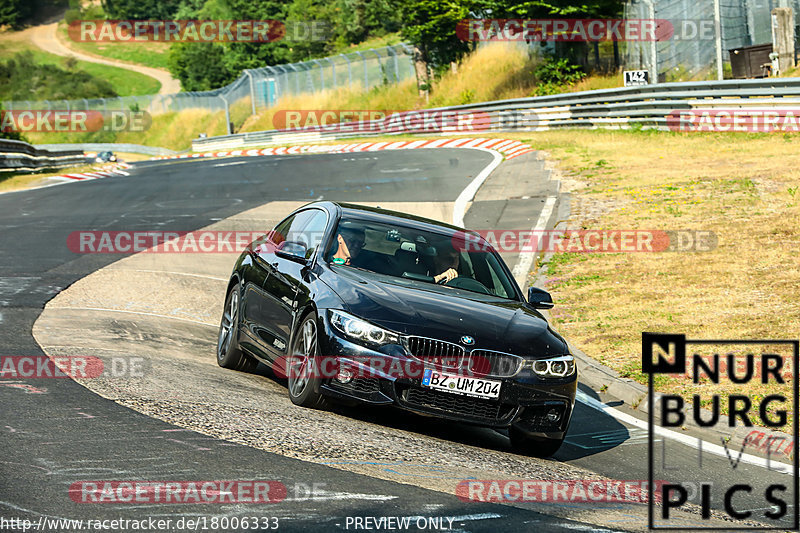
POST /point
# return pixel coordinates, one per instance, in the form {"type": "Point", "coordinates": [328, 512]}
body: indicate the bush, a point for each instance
{"type": "Point", "coordinates": [554, 75]}
{"type": "Point", "coordinates": [558, 72]}
{"type": "Point", "coordinates": [21, 78]}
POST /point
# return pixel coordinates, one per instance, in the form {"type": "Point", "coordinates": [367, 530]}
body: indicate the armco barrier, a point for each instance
{"type": "Point", "coordinates": [109, 147]}
{"type": "Point", "coordinates": [19, 156]}
{"type": "Point", "coordinates": [647, 106]}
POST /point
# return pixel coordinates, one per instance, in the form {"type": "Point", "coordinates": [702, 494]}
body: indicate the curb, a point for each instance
{"type": "Point", "coordinates": [509, 148]}
{"type": "Point", "coordinates": [101, 172]}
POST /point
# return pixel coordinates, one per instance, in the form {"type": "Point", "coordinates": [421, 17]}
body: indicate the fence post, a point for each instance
{"type": "Point", "coordinates": [380, 66]}
{"type": "Point", "coordinates": [653, 47]}
{"type": "Point", "coordinates": [363, 62]}
{"type": "Point", "coordinates": [321, 72]}
{"type": "Point", "coordinates": [391, 51]}
{"type": "Point", "coordinates": [227, 115]}
{"type": "Point", "coordinates": [349, 71]}
{"type": "Point", "coordinates": [718, 37]}
{"type": "Point", "coordinates": [333, 72]}
{"type": "Point", "coordinates": [252, 90]}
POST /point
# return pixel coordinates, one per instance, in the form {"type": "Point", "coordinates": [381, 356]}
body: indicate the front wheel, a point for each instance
{"type": "Point", "coordinates": [533, 446]}
{"type": "Point", "coordinates": [229, 355]}
{"type": "Point", "coordinates": [303, 377]}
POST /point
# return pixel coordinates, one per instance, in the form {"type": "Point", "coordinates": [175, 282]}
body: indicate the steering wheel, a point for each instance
{"type": "Point", "coordinates": [468, 284]}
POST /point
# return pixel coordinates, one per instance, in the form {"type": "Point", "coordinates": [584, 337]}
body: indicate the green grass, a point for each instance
{"type": "Point", "coordinates": [146, 54]}
{"type": "Point", "coordinates": [124, 82]}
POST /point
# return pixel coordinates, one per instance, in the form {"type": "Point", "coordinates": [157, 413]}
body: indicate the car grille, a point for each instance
{"type": "Point", "coordinates": [448, 356]}
{"type": "Point", "coordinates": [496, 364]}
{"type": "Point", "coordinates": [444, 355]}
{"type": "Point", "coordinates": [475, 408]}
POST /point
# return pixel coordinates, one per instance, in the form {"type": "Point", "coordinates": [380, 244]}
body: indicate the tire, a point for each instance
{"type": "Point", "coordinates": [533, 446]}
{"type": "Point", "coordinates": [303, 385]}
{"type": "Point", "coordinates": [229, 354]}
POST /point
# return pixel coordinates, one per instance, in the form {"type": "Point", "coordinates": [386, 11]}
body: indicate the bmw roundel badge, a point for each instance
{"type": "Point", "coordinates": [466, 339]}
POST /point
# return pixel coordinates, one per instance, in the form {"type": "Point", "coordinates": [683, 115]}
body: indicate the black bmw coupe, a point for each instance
{"type": "Point", "coordinates": [363, 305]}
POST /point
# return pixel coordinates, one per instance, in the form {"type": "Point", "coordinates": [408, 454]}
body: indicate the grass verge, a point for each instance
{"type": "Point", "coordinates": [148, 54]}
{"type": "Point", "coordinates": [743, 187]}
{"type": "Point", "coordinates": [124, 82]}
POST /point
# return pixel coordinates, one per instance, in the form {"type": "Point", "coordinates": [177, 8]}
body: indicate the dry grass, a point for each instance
{"type": "Point", "coordinates": [495, 72]}
{"type": "Point", "coordinates": [742, 187]}
{"type": "Point", "coordinates": [169, 130]}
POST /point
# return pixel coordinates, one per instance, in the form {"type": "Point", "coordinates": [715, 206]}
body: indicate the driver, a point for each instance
{"type": "Point", "coordinates": [350, 242]}
{"type": "Point", "coordinates": [447, 262]}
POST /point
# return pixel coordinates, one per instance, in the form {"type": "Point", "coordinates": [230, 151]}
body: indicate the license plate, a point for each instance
{"type": "Point", "coordinates": [466, 386]}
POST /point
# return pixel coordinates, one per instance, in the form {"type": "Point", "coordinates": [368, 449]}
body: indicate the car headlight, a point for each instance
{"type": "Point", "coordinates": [554, 367]}
{"type": "Point", "coordinates": [361, 330]}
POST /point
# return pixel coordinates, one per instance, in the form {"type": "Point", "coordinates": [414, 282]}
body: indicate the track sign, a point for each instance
{"type": "Point", "coordinates": [636, 77]}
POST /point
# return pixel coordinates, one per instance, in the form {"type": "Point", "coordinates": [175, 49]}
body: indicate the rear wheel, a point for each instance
{"type": "Point", "coordinates": [229, 355]}
{"type": "Point", "coordinates": [303, 377]}
{"type": "Point", "coordinates": [534, 446]}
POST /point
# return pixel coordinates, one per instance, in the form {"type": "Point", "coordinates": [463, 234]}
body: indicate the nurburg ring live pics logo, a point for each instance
{"type": "Point", "coordinates": [722, 437]}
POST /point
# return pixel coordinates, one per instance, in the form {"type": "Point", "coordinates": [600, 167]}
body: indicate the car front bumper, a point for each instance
{"type": "Point", "coordinates": [525, 400]}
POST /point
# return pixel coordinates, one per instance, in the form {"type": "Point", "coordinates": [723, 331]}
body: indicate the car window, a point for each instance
{"type": "Point", "coordinates": [306, 227]}
{"type": "Point", "coordinates": [414, 254]}
{"type": "Point", "coordinates": [313, 230]}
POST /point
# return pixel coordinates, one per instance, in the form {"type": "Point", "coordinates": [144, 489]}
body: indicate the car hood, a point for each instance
{"type": "Point", "coordinates": [427, 310]}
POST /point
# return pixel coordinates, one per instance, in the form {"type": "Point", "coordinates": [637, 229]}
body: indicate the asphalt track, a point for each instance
{"type": "Point", "coordinates": [52, 440]}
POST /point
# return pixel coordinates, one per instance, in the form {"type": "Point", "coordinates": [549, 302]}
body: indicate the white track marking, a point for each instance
{"type": "Point", "coordinates": [466, 196]}
{"type": "Point", "coordinates": [525, 260]}
{"type": "Point", "coordinates": [714, 449]}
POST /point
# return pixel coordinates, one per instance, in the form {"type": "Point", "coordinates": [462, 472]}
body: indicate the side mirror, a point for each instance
{"type": "Point", "coordinates": [293, 251]}
{"type": "Point", "coordinates": [539, 299]}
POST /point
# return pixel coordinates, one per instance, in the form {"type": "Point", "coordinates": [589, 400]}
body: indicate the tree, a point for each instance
{"type": "Point", "coordinates": [14, 12]}
{"type": "Point", "coordinates": [199, 66]}
{"type": "Point", "coordinates": [141, 9]}
{"type": "Point", "coordinates": [430, 25]}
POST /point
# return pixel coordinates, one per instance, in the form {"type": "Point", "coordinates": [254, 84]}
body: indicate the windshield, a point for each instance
{"type": "Point", "coordinates": [406, 252]}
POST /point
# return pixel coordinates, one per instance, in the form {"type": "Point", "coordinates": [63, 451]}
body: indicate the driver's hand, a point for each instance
{"type": "Point", "coordinates": [448, 275]}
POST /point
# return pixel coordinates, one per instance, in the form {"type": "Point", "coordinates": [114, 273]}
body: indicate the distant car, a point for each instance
{"type": "Point", "coordinates": [350, 304]}
{"type": "Point", "coordinates": [105, 157]}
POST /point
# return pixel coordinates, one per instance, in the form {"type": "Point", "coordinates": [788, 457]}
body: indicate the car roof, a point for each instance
{"type": "Point", "coordinates": [378, 214]}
